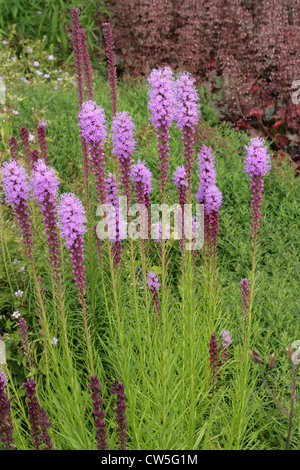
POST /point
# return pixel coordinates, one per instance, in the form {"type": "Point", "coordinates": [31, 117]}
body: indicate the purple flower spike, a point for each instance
{"type": "Point", "coordinates": [99, 414]}
{"type": "Point", "coordinates": [187, 115]}
{"type": "Point", "coordinates": [17, 190]}
{"type": "Point", "coordinates": [116, 223]}
{"type": "Point", "coordinates": [41, 131]}
{"type": "Point", "coordinates": [24, 134]}
{"type": "Point", "coordinates": [142, 178]}
{"type": "Point", "coordinates": [72, 224]}
{"type": "Point", "coordinates": [92, 122]}
{"type": "Point", "coordinates": [45, 184]}
{"type": "Point", "coordinates": [119, 388]}
{"type": "Point", "coordinates": [257, 160]}
{"type": "Point", "coordinates": [227, 340]}
{"type": "Point", "coordinates": [112, 69]}
{"type": "Point", "coordinates": [38, 418]}
{"type": "Point", "coordinates": [257, 165]}
{"type": "Point", "coordinates": [162, 111]}
{"type": "Point", "coordinates": [180, 179]}
{"type": "Point", "coordinates": [213, 199]}
{"type": "Point", "coordinates": [23, 332]}
{"type": "Point", "coordinates": [187, 101]}
{"type": "Point", "coordinates": [123, 139]}
{"type": "Point", "coordinates": [207, 172]}
{"type": "Point", "coordinates": [6, 428]}
{"type": "Point", "coordinates": [154, 286]}
{"type": "Point", "coordinates": [13, 147]}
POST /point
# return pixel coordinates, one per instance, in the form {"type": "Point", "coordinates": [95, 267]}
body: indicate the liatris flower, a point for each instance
{"type": "Point", "coordinates": [214, 361]}
{"type": "Point", "coordinates": [41, 130]}
{"type": "Point", "coordinates": [154, 286]}
{"type": "Point", "coordinates": [24, 134]}
{"type": "Point", "coordinates": [180, 180]}
{"type": "Point", "coordinates": [123, 147]}
{"type": "Point", "coordinates": [38, 418]}
{"type": "Point", "coordinates": [119, 388]}
{"type": "Point", "coordinates": [87, 67]}
{"type": "Point", "coordinates": [45, 184]}
{"type": "Point", "coordinates": [6, 428]}
{"type": "Point", "coordinates": [72, 224]}
{"type": "Point", "coordinates": [99, 414]}
{"type": "Point", "coordinates": [227, 339]}
{"type": "Point", "coordinates": [33, 413]}
{"type": "Point", "coordinates": [116, 223]}
{"type": "Point", "coordinates": [13, 146]}
{"type": "Point", "coordinates": [187, 115]}
{"type": "Point", "coordinates": [213, 202]}
{"type": "Point", "coordinates": [23, 332]}
{"type": "Point", "coordinates": [142, 178]}
{"type": "Point", "coordinates": [161, 106]}
{"type": "Point", "coordinates": [44, 425]}
{"type": "Point", "coordinates": [92, 123]}
{"type": "Point", "coordinates": [34, 156]}
{"type": "Point", "coordinates": [245, 291]}
{"type": "Point", "coordinates": [207, 172]}
{"type": "Point", "coordinates": [17, 191]}
{"type": "Point", "coordinates": [111, 63]}
{"type": "Point", "coordinates": [257, 165]}
{"type": "Point", "coordinates": [77, 48]}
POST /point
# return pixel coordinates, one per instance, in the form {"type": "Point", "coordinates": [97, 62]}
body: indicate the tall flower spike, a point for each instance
{"type": "Point", "coordinates": [72, 224]}
{"type": "Point", "coordinates": [154, 286]}
{"type": "Point", "coordinates": [227, 340]}
{"type": "Point", "coordinates": [45, 184]}
{"type": "Point", "coordinates": [119, 388]}
{"type": "Point", "coordinates": [41, 131]}
{"type": "Point", "coordinates": [116, 223]}
{"type": "Point", "coordinates": [92, 122]}
{"type": "Point", "coordinates": [207, 172]}
{"type": "Point", "coordinates": [123, 140]}
{"type": "Point", "coordinates": [6, 427]}
{"type": "Point", "coordinates": [24, 134]}
{"type": "Point", "coordinates": [187, 115]}
{"type": "Point", "coordinates": [99, 414]}
{"type": "Point", "coordinates": [142, 178]}
{"type": "Point", "coordinates": [162, 111]}
{"type": "Point", "coordinates": [257, 165]}
{"type": "Point", "coordinates": [17, 190]}
{"type": "Point", "coordinates": [13, 147]}
{"type": "Point", "coordinates": [111, 63]}
{"type": "Point", "coordinates": [23, 332]}
{"type": "Point", "coordinates": [212, 206]}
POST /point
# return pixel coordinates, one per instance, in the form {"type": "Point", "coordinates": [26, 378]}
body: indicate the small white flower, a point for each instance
{"type": "Point", "coordinates": [54, 341]}
{"type": "Point", "coordinates": [14, 59]}
{"type": "Point", "coordinates": [16, 314]}
{"type": "Point", "coordinates": [16, 261]}
{"type": "Point", "coordinates": [36, 63]}
{"type": "Point", "coordinates": [14, 111]}
{"type": "Point", "coordinates": [50, 57]}
{"type": "Point", "coordinates": [46, 75]}
{"type": "Point", "coordinates": [59, 79]}
{"type": "Point", "coordinates": [19, 293]}
{"type": "Point", "coordinates": [22, 270]}
{"type": "Point", "coordinates": [5, 42]}
{"type": "Point", "coordinates": [38, 72]}
{"type": "Point", "coordinates": [31, 137]}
